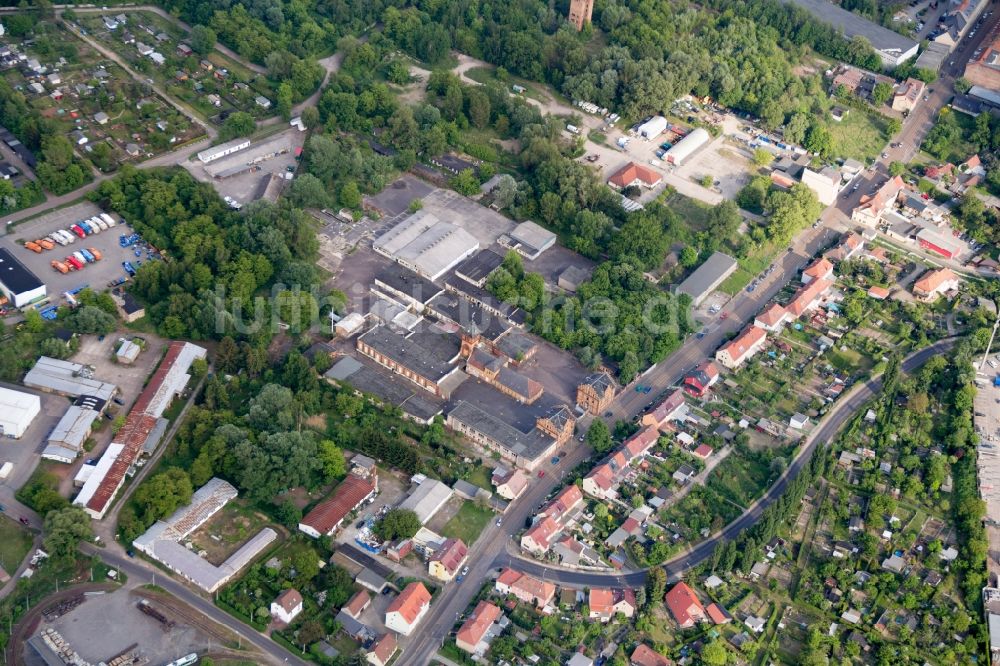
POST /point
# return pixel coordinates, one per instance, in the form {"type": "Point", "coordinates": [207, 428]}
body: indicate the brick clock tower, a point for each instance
{"type": "Point", "coordinates": [580, 12]}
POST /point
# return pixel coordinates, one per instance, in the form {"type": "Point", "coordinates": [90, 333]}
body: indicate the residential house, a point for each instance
{"type": "Point", "coordinates": [718, 615]}
{"type": "Point", "coordinates": [743, 347]}
{"type": "Point", "coordinates": [262, 102]}
{"type": "Point", "coordinates": [685, 606]}
{"type": "Point", "coordinates": [538, 539]}
{"type": "Point", "coordinates": [470, 638]}
{"type": "Point", "coordinates": [848, 248]}
{"type": "Point", "coordinates": [934, 283]}
{"type": "Point", "coordinates": [604, 604]}
{"type": "Point", "coordinates": [772, 319]}
{"type": "Point", "coordinates": [510, 484]}
{"type": "Point", "coordinates": [562, 504]}
{"type": "Point", "coordinates": [643, 655]}
{"type": "Point", "coordinates": [672, 408]}
{"type": "Point", "coordinates": [684, 474]}
{"type": "Point", "coordinates": [286, 606]}
{"type": "Point", "coordinates": [808, 297]}
{"type": "Point", "coordinates": [448, 559]}
{"type": "Point", "coordinates": [821, 269]}
{"type": "Point", "coordinates": [526, 588]}
{"type": "Point", "coordinates": [755, 624]}
{"type": "Point", "coordinates": [633, 174]}
{"type": "Point", "coordinates": [382, 651]}
{"type": "Point", "coordinates": [871, 208]}
{"type": "Point", "coordinates": [907, 94]}
{"type": "Point", "coordinates": [408, 609]}
{"type": "Point", "coordinates": [703, 377]}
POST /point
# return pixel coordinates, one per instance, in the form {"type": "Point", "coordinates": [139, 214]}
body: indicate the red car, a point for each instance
{"type": "Point", "coordinates": [541, 473]}
{"type": "Point", "coordinates": [78, 230]}
{"type": "Point", "coordinates": [74, 262]}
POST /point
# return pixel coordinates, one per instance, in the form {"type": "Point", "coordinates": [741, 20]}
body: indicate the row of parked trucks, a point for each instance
{"type": "Point", "coordinates": [81, 229]}
{"type": "Point", "coordinates": [77, 260]}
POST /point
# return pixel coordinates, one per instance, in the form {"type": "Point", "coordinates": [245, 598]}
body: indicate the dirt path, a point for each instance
{"type": "Point", "coordinates": [111, 55]}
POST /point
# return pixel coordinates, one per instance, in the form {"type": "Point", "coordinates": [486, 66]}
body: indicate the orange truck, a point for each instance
{"type": "Point", "coordinates": [45, 243]}
{"type": "Point", "coordinates": [60, 266]}
{"type": "Point", "coordinates": [95, 252]}
{"type": "Point", "coordinates": [34, 247]}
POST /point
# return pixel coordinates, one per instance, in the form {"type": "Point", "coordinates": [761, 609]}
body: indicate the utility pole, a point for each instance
{"type": "Point", "coordinates": [989, 344]}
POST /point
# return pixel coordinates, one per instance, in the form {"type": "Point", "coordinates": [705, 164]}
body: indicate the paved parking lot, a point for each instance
{"type": "Point", "coordinates": [119, 624]}
{"type": "Point", "coordinates": [96, 275]}
{"type": "Point", "coordinates": [247, 187]}
{"type": "Point", "coordinates": [396, 198]}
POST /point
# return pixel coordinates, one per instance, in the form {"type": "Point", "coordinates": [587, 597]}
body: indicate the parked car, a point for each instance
{"type": "Point", "coordinates": [34, 247]}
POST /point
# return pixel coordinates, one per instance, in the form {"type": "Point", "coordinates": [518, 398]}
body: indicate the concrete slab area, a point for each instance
{"type": "Point", "coordinates": [105, 625]}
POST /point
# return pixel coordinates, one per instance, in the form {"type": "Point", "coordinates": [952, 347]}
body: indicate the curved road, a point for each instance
{"type": "Point", "coordinates": [825, 432]}
{"type": "Point", "coordinates": [454, 599]}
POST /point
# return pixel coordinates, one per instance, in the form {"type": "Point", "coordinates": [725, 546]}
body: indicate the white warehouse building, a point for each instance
{"type": "Point", "coordinates": [223, 149]}
{"type": "Point", "coordinates": [686, 147]}
{"type": "Point", "coordinates": [653, 127]}
{"type": "Point", "coordinates": [17, 411]}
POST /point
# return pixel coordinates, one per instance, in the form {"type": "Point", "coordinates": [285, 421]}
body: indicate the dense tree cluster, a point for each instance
{"type": "Point", "coordinates": [618, 314]}
{"type": "Point", "coordinates": [219, 259]}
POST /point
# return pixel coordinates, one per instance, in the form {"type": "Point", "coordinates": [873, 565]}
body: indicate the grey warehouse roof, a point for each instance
{"type": "Point", "coordinates": [428, 354]}
{"type": "Point", "coordinates": [15, 276]}
{"type": "Point", "coordinates": [426, 244]}
{"type": "Point", "coordinates": [882, 39]}
{"type": "Point", "coordinates": [66, 378]}
{"type": "Point", "coordinates": [707, 276]}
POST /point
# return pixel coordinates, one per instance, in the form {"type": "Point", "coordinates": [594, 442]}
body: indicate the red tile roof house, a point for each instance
{"type": "Point", "coordinates": [286, 606]}
{"type": "Point", "coordinates": [604, 604]}
{"type": "Point", "coordinates": [934, 283]}
{"type": "Point", "coordinates": [470, 637]}
{"type": "Point", "coordinates": [703, 452]}
{"type": "Point", "coordinates": [448, 559]}
{"type": "Point", "coordinates": [408, 609]}
{"type": "Point", "coordinates": [685, 606]}
{"type": "Point", "coordinates": [821, 269]}
{"type": "Point", "coordinates": [634, 174]}
{"type": "Point", "coordinates": [772, 319]}
{"type": "Point", "coordinates": [718, 615]}
{"type": "Point", "coordinates": [381, 652]}
{"type": "Point", "coordinates": [698, 381]}
{"type": "Point", "coordinates": [358, 603]}
{"type": "Point", "coordinates": [673, 408]}
{"type": "Point", "coordinates": [643, 655]}
{"type": "Point", "coordinates": [539, 537]}
{"type": "Point", "coordinates": [878, 293]}
{"type": "Point", "coordinates": [741, 348]}
{"type": "Point", "coordinates": [808, 297]}
{"type": "Point", "coordinates": [329, 514]}
{"type": "Point", "coordinates": [568, 499]}
{"type": "Point", "coordinates": [526, 588]}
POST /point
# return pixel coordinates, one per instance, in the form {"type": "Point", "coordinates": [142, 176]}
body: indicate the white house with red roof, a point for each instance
{"type": "Point", "coordinates": [741, 348]}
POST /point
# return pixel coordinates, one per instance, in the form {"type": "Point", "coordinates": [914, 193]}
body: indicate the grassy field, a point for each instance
{"type": "Point", "coordinates": [860, 135]}
{"type": "Point", "coordinates": [468, 523]}
{"type": "Point", "coordinates": [694, 212]}
{"type": "Point", "coordinates": [487, 74]}
{"type": "Point", "coordinates": [749, 268]}
{"type": "Point", "coordinates": [14, 545]}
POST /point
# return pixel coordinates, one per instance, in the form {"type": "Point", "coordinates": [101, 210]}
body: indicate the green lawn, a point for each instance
{"type": "Point", "coordinates": [848, 360]}
{"type": "Point", "coordinates": [487, 74]}
{"type": "Point", "coordinates": [692, 211]}
{"type": "Point", "coordinates": [480, 476]}
{"type": "Point", "coordinates": [860, 135]}
{"type": "Point", "coordinates": [15, 543]}
{"type": "Point", "coordinates": [468, 523]}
